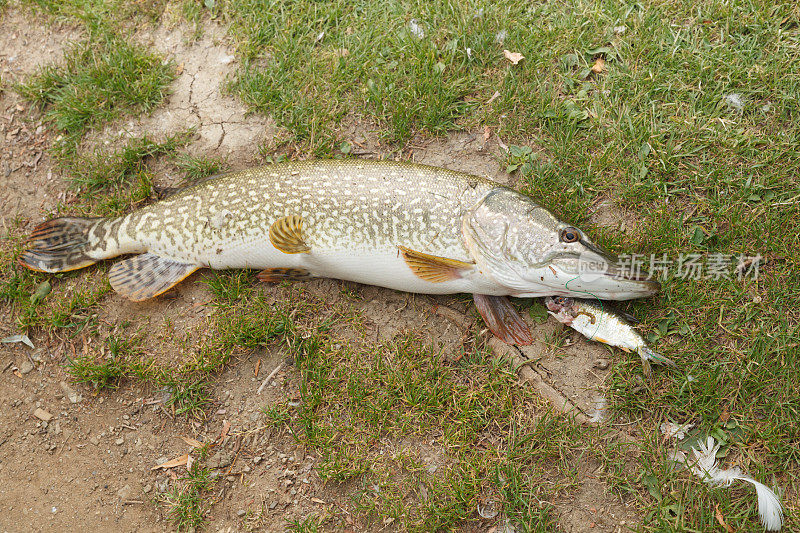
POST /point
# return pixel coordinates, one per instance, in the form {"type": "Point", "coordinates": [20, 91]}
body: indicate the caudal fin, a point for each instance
{"type": "Point", "coordinates": [61, 244]}
{"type": "Point", "coordinates": [649, 355]}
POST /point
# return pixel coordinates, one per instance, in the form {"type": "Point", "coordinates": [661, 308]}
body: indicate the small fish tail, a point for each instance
{"type": "Point", "coordinates": [649, 355]}
{"type": "Point", "coordinates": [69, 243]}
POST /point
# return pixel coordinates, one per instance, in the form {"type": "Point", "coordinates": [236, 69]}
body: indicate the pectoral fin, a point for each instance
{"type": "Point", "coordinates": [433, 268]}
{"type": "Point", "coordinates": [503, 320]}
{"type": "Point", "coordinates": [276, 275]}
{"type": "Point", "coordinates": [147, 275]}
{"type": "Point", "coordinates": [286, 234]}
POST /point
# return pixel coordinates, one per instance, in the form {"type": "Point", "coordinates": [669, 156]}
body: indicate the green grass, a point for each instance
{"type": "Point", "coordinates": [101, 15]}
{"type": "Point", "coordinates": [196, 13]}
{"type": "Point", "coordinates": [358, 59]}
{"type": "Point", "coordinates": [187, 386]}
{"type": "Point", "coordinates": [187, 503]}
{"type": "Point", "coordinates": [229, 286]}
{"type": "Point", "coordinates": [99, 79]}
{"type": "Point", "coordinates": [403, 393]}
{"type": "Point", "coordinates": [309, 524]}
{"type": "Point", "coordinates": [117, 168]}
{"type": "Point", "coordinates": [197, 168]}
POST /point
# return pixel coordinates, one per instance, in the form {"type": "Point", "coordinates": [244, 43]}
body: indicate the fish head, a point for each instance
{"type": "Point", "coordinates": [556, 304]}
{"type": "Point", "coordinates": [524, 247]}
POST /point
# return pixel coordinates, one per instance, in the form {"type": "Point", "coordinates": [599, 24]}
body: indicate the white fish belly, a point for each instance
{"type": "Point", "coordinates": [371, 267]}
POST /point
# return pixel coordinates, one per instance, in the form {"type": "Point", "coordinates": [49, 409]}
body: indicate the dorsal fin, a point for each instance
{"type": "Point", "coordinates": [433, 268]}
{"type": "Point", "coordinates": [147, 275]}
{"type": "Point", "coordinates": [167, 192]}
{"type": "Point", "coordinates": [286, 234]}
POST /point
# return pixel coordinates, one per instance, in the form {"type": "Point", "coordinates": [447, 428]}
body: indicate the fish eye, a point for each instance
{"type": "Point", "coordinates": [570, 234]}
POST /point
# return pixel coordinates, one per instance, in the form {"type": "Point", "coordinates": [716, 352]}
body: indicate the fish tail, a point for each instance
{"type": "Point", "coordinates": [649, 355]}
{"type": "Point", "coordinates": [70, 243]}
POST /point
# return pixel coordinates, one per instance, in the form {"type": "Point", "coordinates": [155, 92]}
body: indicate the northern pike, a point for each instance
{"type": "Point", "coordinates": [597, 324]}
{"type": "Point", "coordinates": [402, 226]}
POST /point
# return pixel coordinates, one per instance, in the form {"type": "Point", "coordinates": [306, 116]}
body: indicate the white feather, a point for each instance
{"type": "Point", "coordinates": [769, 506]}
{"type": "Point", "coordinates": [705, 467]}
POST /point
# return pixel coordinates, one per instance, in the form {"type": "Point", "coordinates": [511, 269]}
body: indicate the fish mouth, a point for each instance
{"type": "Point", "coordinates": [633, 282]}
{"type": "Point", "coordinates": [602, 274]}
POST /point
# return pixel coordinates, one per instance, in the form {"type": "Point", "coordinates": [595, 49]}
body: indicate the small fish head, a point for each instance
{"type": "Point", "coordinates": [556, 304]}
{"type": "Point", "coordinates": [526, 248]}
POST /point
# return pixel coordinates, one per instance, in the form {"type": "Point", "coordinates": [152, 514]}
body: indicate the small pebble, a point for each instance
{"type": "Point", "coordinates": [124, 493]}
{"type": "Point", "coordinates": [601, 363]}
{"type": "Point", "coordinates": [70, 393]}
{"type": "Point", "coordinates": [241, 512]}
{"type": "Point", "coordinates": [43, 415]}
{"type": "Point", "coordinates": [25, 367]}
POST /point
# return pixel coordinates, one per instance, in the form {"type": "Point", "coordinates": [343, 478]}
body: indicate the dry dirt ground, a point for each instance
{"type": "Point", "coordinates": [89, 467]}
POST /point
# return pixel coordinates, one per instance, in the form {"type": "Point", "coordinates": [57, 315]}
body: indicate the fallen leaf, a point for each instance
{"type": "Point", "coordinates": [179, 70]}
{"type": "Point", "coordinates": [258, 367]}
{"type": "Point", "coordinates": [514, 57]}
{"type": "Point", "coordinates": [178, 461]}
{"type": "Point", "coordinates": [599, 65]}
{"type": "Point", "coordinates": [494, 97]}
{"type": "Point", "coordinates": [721, 520]}
{"type": "Point", "coordinates": [317, 500]}
{"type": "Point", "coordinates": [194, 443]}
{"type": "Point", "coordinates": [487, 132]}
{"type": "Point", "coordinates": [189, 462]}
{"type": "Point", "coordinates": [18, 338]}
{"type": "Point", "coordinates": [226, 426]}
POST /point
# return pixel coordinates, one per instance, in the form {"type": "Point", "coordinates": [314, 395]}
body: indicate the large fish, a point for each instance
{"type": "Point", "coordinates": [403, 226]}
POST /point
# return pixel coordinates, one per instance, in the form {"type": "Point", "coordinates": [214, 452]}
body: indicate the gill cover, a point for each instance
{"type": "Point", "coordinates": [507, 234]}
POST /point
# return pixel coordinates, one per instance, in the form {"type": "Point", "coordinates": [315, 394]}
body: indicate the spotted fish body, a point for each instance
{"type": "Point", "coordinates": [398, 225]}
{"type": "Point", "coordinates": [355, 214]}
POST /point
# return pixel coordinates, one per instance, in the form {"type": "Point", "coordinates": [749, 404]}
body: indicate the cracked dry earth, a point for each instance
{"type": "Point", "coordinates": [76, 461]}
{"type": "Point", "coordinates": [221, 123]}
